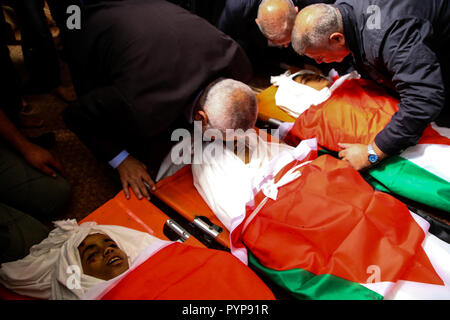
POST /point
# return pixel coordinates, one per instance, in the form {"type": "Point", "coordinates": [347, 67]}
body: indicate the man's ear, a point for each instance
{"type": "Point", "coordinates": [200, 115]}
{"type": "Point", "coordinates": [296, 9]}
{"type": "Point", "coordinates": [257, 21]}
{"type": "Point", "coordinates": [337, 38]}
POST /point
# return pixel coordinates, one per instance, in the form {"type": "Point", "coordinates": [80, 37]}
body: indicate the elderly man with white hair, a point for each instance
{"type": "Point", "coordinates": [142, 69]}
{"type": "Point", "coordinates": [402, 45]}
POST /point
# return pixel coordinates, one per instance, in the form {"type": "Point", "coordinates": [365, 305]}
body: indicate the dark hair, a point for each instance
{"type": "Point", "coordinates": [308, 77]}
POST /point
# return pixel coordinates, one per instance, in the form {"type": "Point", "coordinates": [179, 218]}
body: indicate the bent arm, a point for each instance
{"type": "Point", "coordinates": [102, 119]}
{"type": "Point", "coordinates": [234, 21]}
{"type": "Point", "coordinates": [416, 74]}
{"type": "Point", "coordinates": [96, 119]}
{"type": "Point", "coordinates": [11, 134]}
{"type": "Point", "coordinates": [230, 19]}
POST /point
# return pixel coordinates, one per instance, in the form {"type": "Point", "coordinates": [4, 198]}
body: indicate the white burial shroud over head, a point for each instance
{"type": "Point", "coordinates": [47, 272]}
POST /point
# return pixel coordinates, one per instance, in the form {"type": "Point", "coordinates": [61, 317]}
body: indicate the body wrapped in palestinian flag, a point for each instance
{"type": "Point", "coordinates": [157, 269]}
{"type": "Point", "coordinates": [317, 228]}
{"type": "Point", "coordinates": [327, 235]}
{"type": "Point", "coordinates": [355, 113]}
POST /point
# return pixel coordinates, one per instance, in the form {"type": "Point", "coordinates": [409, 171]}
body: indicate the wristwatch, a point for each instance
{"type": "Point", "coordinates": [373, 157]}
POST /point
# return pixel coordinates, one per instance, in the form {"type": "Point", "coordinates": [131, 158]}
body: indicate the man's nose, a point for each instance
{"type": "Point", "coordinates": [107, 251]}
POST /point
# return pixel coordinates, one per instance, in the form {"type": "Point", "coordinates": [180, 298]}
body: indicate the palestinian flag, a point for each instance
{"type": "Point", "coordinates": [355, 113]}
{"type": "Point", "coordinates": [422, 172]}
{"type": "Point", "coordinates": [328, 235]}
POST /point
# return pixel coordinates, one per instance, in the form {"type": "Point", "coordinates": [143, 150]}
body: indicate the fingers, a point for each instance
{"type": "Point", "coordinates": [57, 165]}
{"type": "Point", "coordinates": [48, 170]}
{"type": "Point", "coordinates": [140, 187]}
{"type": "Point", "coordinates": [43, 160]}
{"type": "Point", "coordinates": [143, 184]}
{"type": "Point", "coordinates": [133, 173]}
{"type": "Point", "coordinates": [149, 184]}
{"type": "Point", "coordinates": [137, 188]}
{"type": "Point", "coordinates": [344, 145]}
{"type": "Point", "coordinates": [125, 189]}
{"type": "Point", "coordinates": [342, 154]}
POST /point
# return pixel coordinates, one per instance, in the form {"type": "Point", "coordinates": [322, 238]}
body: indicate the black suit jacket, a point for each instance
{"type": "Point", "coordinates": [139, 66]}
{"type": "Point", "coordinates": [407, 53]}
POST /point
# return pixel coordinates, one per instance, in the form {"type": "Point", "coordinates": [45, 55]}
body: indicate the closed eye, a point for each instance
{"type": "Point", "coordinates": [92, 255]}
{"type": "Point", "coordinates": [112, 245]}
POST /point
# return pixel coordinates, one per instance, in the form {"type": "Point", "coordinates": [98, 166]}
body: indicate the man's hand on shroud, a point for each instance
{"type": "Point", "coordinates": [134, 173]}
{"type": "Point", "coordinates": [357, 155]}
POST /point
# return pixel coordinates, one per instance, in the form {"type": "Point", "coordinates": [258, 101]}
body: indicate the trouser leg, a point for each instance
{"type": "Point", "coordinates": [18, 233]}
{"type": "Point", "coordinates": [29, 190]}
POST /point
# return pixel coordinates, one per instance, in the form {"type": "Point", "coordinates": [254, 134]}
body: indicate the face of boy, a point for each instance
{"type": "Point", "coordinates": [101, 257]}
{"type": "Point", "coordinates": [315, 81]}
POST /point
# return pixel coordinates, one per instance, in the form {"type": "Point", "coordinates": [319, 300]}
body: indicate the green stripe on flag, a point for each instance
{"type": "Point", "coordinates": [409, 180]}
{"type": "Point", "coordinates": [308, 286]}
{"type": "Point", "coordinates": [376, 185]}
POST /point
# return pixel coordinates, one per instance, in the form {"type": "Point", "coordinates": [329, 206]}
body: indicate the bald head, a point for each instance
{"type": "Point", "coordinates": [314, 25]}
{"type": "Point", "coordinates": [276, 19]}
{"type": "Point", "coordinates": [230, 104]}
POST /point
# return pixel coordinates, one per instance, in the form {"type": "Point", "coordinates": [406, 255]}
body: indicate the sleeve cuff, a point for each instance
{"type": "Point", "coordinates": [384, 143]}
{"type": "Point", "coordinates": [118, 159]}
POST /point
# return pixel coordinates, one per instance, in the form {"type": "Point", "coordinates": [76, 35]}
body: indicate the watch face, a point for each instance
{"type": "Point", "coordinates": [373, 158]}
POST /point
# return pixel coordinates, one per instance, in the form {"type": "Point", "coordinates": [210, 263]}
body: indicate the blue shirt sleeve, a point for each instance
{"type": "Point", "coordinates": [118, 159]}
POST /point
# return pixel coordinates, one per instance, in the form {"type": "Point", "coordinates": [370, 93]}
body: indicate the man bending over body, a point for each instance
{"type": "Point", "coordinates": [400, 45]}
{"type": "Point", "coordinates": [142, 69]}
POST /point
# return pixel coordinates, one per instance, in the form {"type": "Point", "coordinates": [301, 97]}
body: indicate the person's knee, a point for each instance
{"type": "Point", "coordinates": [29, 190]}
{"type": "Point", "coordinates": [18, 233]}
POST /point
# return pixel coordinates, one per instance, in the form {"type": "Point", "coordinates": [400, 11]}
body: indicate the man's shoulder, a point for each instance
{"type": "Point", "coordinates": [304, 3]}
{"type": "Point", "coordinates": [242, 6]}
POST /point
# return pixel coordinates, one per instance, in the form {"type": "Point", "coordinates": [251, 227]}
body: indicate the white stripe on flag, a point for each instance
{"type": "Point", "coordinates": [435, 158]}
{"type": "Point", "coordinates": [382, 288]}
{"type": "Point", "coordinates": [438, 252]}
{"type": "Point", "coordinates": [441, 130]}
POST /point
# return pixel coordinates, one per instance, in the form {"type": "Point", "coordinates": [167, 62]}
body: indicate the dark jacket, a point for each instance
{"type": "Point", "coordinates": [139, 66]}
{"type": "Point", "coordinates": [406, 54]}
{"type": "Point", "coordinates": [238, 21]}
